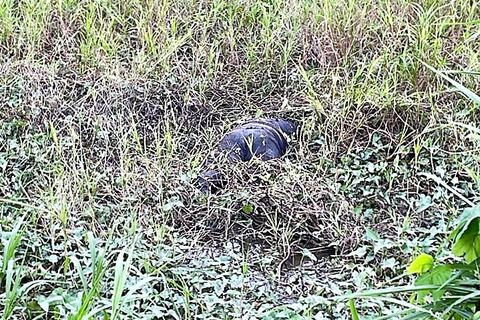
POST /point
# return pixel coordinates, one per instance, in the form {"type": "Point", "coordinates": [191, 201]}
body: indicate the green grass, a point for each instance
{"type": "Point", "coordinates": [109, 108]}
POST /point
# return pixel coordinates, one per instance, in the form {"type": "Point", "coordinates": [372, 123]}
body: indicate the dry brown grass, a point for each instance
{"type": "Point", "coordinates": [113, 107]}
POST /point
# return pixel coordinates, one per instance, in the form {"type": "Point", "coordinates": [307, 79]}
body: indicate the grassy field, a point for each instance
{"type": "Point", "coordinates": [108, 109]}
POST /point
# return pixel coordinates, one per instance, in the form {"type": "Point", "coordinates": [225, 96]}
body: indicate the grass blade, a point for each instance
{"type": "Point", "coordinates": [462, 299]}
{"type": "Point", "coordinates": [99, 267]}
{"type": "Point", "coordinates": [353, 309]}
{"type": "Point", "coordinates": [11, 247]}
{"type": "Point", "coordinates": [467, 92]}
{"type": "Point", "coordinates": [379, 292]}
{"type": "Point", "coordinates": [409, 306]}
{"type": "Point", "coordinates": [122, 270]}
{"type": "Point", "coordinates": [12, 292]}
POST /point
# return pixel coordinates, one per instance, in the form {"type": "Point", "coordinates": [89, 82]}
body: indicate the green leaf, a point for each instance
{"type": "Point", "coordinates": [437, 276]}
{"type": "Point", "coordinates": [282, 313]}
{"type": "Point", "coordinates": [464, 221]}
{"type": "Point", "coordinates": [372, 235]}
{"type": "Point", "coordinates": [247, 208]}
{"type": "Point", "coordinates": [421, 264]}
{"type": "Point", "coordinates": [353, 310]}
{"type": "Point", "coordinates": [467, 243]}
{"type": "Point", "coordinates": [424, 203]}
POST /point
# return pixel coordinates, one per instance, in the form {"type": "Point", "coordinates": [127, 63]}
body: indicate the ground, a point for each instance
{"type": "Point", "coordinates": [109, 108]}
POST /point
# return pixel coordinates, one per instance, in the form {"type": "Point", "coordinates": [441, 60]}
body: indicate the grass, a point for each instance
{"type": "Point", "coordinates": [109, 108]}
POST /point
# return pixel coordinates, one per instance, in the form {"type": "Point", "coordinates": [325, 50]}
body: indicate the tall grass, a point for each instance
{"type": "Point", "coordinates": [109, 107]}
{"type": "Point", "coordinates": [91, 289]}
{"type": "Point", "coordinates": [10, 276]}
{"type": "Point", "coordinates": [10, 248]}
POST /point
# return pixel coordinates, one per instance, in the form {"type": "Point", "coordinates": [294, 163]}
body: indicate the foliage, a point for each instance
{"type": "Point", "coordinates": [443, 289]}
{"type": "Point", "coordinates": [109, 108]}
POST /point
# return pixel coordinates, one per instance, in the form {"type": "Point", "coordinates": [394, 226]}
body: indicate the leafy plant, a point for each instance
{"type": "Point", "coordinates": [467, 235]}
{"type": "Point", "coordinates": [98, 266]}
{"type": "Point", "coordinates": [447, 290]}
{"type": "Point", "coordinates": [105, 106]}
{"type": "Point", "coordinates": [441, 290]}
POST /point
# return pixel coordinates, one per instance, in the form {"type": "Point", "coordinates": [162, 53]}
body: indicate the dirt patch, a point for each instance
{"type": "Point", "coordinates": [145, 141]}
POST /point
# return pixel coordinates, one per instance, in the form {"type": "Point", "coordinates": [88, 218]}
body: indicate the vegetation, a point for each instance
{"type": "Point", "coordinates": [108, 108]}
{"type": "Point", "coordinates": [447, 290]}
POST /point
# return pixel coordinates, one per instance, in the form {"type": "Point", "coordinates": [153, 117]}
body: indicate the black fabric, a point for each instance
{"type": "Point", "coordinates": [262, 138]}
{"type": "Point", "coordinates": [211, 181]}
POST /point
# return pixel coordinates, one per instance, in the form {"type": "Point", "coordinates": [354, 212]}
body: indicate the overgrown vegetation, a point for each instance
{"type": "Point", "coordinates": [447, 290]}
{"type": "Point", "coordinates": [108, 108]}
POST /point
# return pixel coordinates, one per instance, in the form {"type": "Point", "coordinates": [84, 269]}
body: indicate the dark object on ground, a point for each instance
{"type": "Point", "coordinates": [211, 181]}
{"type": "Point", "coordinates": [262, 138]}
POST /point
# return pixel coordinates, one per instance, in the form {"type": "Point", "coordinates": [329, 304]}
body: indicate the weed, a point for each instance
{"type": "Point", "coordinates": [109, 108]}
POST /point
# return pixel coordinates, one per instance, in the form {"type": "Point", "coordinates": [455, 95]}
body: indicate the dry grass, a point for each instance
{"type": "Point", "coordinates": [108, 109]}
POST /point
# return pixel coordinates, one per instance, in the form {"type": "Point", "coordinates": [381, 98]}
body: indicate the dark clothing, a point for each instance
{"type": "Point", "coordinates": [263, 138]}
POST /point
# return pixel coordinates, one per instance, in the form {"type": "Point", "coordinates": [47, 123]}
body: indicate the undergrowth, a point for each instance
{"type": "Point", "coordinates": [109, 108]}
